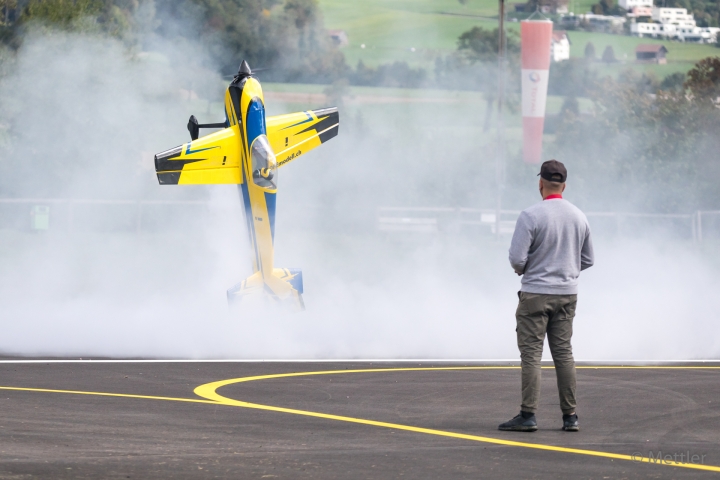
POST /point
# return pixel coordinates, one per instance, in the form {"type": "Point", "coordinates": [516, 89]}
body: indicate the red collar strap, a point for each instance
{"type": "Point", "coordinates": [554, 195]}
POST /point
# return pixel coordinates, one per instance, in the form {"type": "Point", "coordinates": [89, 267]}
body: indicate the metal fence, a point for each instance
{"type": "Point", "coordinates": [96, 215]}
{"type": "Point", "coordinates": [696, 227]}
{"type": "Point", "coordinates": [707, 220]}
{"type": "Point", "coordinates": [161, 215]}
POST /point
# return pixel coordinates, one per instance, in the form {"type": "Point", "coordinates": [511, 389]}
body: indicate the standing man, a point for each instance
{"type": "Point", "coordinates": [550, 246]}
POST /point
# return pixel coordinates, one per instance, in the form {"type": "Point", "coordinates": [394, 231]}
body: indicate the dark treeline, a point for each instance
{"type": "Point", "coordinates": [657, 151]}
{"type": "Point", "coordinates": [285, 36]}
{"type": "Point", "coordinates": [288, 38]}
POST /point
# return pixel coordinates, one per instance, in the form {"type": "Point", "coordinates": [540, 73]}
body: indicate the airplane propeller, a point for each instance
{"type": "Point", "coordinates": [245, 71]}
{"type": "Point", "coordinates": [194, 126]}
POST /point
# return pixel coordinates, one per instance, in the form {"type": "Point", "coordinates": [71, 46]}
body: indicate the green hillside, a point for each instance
{"type": "Point", "coordinates": [623, 45]}
{"type": "Point", "coordinates": [391, 29]}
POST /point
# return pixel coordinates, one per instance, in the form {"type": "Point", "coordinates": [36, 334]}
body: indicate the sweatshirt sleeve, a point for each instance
{"type": "Point", "coordinates": [521, 241]}
{"type": "Point", "coordinates": [587, 255]}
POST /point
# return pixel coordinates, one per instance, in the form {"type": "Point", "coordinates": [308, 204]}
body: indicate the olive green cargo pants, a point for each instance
{"type": "Point", "coordinates": [538, 314]}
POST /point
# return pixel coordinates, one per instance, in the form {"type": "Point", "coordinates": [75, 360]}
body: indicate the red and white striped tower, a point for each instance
{"type": "Point", "coordinates": [535, 40]}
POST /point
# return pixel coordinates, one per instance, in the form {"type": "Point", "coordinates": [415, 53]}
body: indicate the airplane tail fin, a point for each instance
{"type": "Point", "coordinates": [284, 286]}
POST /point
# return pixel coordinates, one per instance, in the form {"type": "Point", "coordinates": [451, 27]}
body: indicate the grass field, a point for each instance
{"type": "Point", "coordinates": [460, 120]}
{"type": "Point", "coordinates": [415, 98]}
{"type": "Point", "coordinates": [417, 32]}
{"type": "Point", "coordinates": [624, 46]}
{"type": "Point", "coordinates": [390, 29]}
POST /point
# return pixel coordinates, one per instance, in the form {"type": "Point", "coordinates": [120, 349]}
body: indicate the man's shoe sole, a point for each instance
{"type": "Point", "coordinates": [571, 429]}
{"type": "Point", "coordinates": [518, 428]}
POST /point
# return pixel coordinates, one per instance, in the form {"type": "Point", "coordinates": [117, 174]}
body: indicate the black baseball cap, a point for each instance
{"type": "Point", "coordinates": [553, 171]}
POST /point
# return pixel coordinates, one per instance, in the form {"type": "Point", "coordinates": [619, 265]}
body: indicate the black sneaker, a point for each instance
{"type": "Point", "coordinates": [520, 423]}
{"type": "Point", "coordinates": [570, 423]}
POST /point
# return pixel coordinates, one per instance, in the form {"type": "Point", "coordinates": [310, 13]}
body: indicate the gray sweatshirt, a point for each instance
{"type": "Point", "coordinates": [550, 246]}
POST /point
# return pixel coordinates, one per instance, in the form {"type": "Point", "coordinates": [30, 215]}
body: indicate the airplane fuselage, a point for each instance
{"type": "Point", "coordinates": [245, 102]}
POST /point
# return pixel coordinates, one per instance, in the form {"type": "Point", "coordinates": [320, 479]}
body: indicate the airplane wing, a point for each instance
{"type": "Point", "coordinates": [212, 159]}
{"type": "Point", "coordinates": [295, 134]}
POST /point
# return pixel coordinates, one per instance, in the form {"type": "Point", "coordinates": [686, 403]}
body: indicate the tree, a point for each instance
{"type": "Point", "coordinates": [287, 36]}
{"type": "Point", "coordinates": [607, 7]}
{"type": "Point", "coordinates": [397, 74]}
{"type": "Point", "coordinates": [608, 55]}
{"type": "Point", "coordinates": [304, 12]}
{"type": "Point", "coordinates": [570, 106]}
{"type": "Point", "coordinates": [590, 51]}
{"type": "Point", "coordinates": [673, 82]}
{"type": "Point", "coordinates": [336, 93]}
{"type": "Point", "coordinates": [481, 45]}
{"type": "Point", "coordinates": [8, 11]}
{"type": "Point", "coordinates": [573, 77]}
{"type": "Point", "coordinates": [646, 83]}
{"type": "Point", "coordinates": [703, 81]}
{"type": "Point", "coordinates": [61, 13]}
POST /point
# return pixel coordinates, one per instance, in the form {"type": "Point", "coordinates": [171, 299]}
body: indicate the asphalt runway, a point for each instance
{"type": "Point", "coordinates": [350, 420]}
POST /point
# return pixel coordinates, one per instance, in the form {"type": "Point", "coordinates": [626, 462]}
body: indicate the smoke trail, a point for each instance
{"type": "Point", "coordinates": [87, 117]}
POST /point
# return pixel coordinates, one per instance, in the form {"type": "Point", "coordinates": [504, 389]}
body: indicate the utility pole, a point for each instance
{"type": "Point", "coordinates": [500, 159]}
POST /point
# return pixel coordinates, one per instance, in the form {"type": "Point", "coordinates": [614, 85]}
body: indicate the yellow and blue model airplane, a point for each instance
{"type": "Point", "coordinates": [248, 151]}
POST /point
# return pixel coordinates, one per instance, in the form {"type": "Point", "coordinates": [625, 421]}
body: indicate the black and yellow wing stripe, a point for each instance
{"type": "Point", "coordinates": [295, 134]}
{"type": "Point", "coordinates": [213, 159]}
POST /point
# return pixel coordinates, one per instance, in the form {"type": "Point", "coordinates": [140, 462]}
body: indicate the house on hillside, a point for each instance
{"type": "Point", "coordinates": [637, 12]}
{"type": "Point", "coordinates": [654, 30]}
{"type": "Point", "coordinates": [560, 46]}
{"type": "Point", "coordinates": [602, 23]}
{"type": "Point", "coordinates": [697, 34]}
{"type": "Point", "coordinates": [554, 6]}
{"type": "Point", "coordinates": [673, 16]}
{"type": "Point", "coordinates": [676, 24]}
{"type": "Point", "coordinates": [338, 37]}
{"type": "Point", "coordinates": [545, 6]}
{"type": "Point", "coordinates": [630, 4]}
{"type": "Point", "coordinates": [651, 53]}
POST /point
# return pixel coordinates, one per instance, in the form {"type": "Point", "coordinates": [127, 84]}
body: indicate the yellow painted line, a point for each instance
{"type": "Point", "coordinates": [104, 394]}
{"type": "Point", "coordinates": [209, 391]}
{"type": "Point", "coordinates": [643, 367]}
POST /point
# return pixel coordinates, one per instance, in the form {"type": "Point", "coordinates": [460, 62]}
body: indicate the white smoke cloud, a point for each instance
{"type": "Point", "coordinates": [87, 118]}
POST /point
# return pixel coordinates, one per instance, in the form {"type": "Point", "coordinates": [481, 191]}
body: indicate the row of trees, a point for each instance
{"type": "Point", "coordinates": [608, 55]}
{"type": "Point", "coordinates": [286, 36]}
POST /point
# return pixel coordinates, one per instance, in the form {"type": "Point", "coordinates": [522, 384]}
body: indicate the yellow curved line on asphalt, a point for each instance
{"type": "Point", "coordinates": [105, 394]}
{"type": "Point", "coordinates": [209, 391]}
